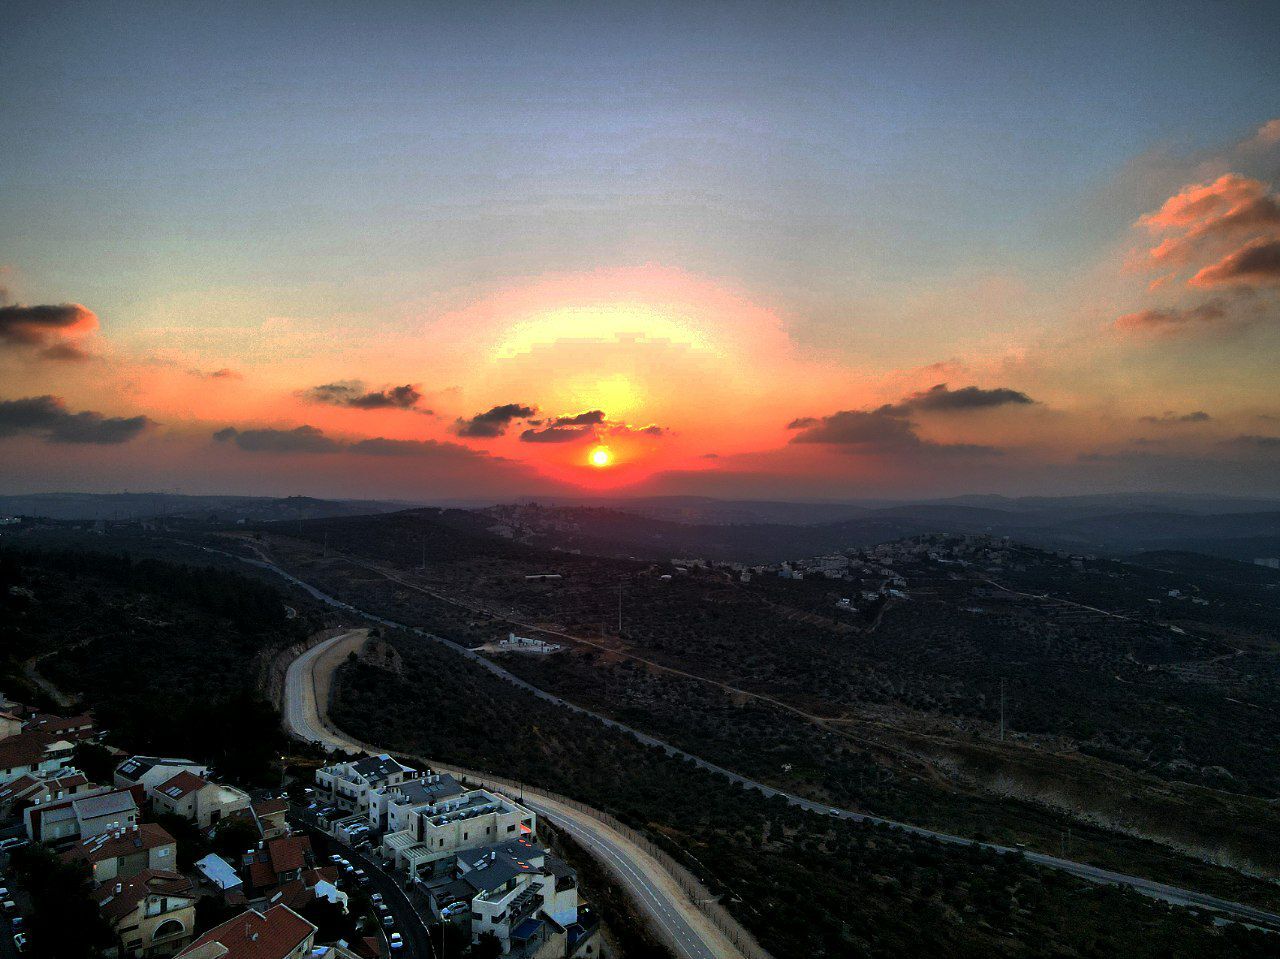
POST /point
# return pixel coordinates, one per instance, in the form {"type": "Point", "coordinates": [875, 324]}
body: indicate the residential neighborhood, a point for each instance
{"type": "Point", "coordinates": [359, 858]}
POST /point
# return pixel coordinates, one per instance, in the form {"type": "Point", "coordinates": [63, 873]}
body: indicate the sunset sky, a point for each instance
{"type": "Point", "coordinates": [469, 252]}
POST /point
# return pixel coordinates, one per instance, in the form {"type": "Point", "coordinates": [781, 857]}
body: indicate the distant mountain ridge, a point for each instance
{"type": "Point", "coordinates": [144, 505]}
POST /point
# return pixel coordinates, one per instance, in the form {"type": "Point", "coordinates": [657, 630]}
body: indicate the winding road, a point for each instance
{"type": "Point", "coordinates": [658, 895]}
{"type": "Point", "coordinates": [1157, 890]}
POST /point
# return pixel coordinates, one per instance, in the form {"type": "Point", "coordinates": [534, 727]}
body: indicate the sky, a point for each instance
{"type": "Point", "coordinates": [443, 252]}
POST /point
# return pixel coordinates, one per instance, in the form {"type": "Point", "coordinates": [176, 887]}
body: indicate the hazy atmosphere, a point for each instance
{"type": "Point", "coordinates": [821, 251]}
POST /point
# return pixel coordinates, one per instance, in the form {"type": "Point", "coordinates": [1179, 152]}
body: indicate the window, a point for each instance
{"type": "Point", "coordinates": [511, 828]}
{"type": "Point", "coordinates": [170, 927]}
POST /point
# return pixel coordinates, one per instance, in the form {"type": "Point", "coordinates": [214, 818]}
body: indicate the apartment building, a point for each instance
{"type": "Point", "coordinates": [434, 832]}
{"type": "Point", "coordinates": [350, 785]}
{"type": "Point", "coordinates": [390, 806]}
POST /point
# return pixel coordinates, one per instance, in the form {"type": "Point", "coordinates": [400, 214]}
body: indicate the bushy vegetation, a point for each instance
{"type": "Point", "coordinates": [807, 886]}
{"type": "Point", "coordinates": [166, 655]}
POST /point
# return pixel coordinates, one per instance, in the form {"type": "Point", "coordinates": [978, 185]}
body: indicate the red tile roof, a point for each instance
{"type": "Point", "coordinates": [26, 748]}
{"type": "Point", "coordinates": [288, 853]}
{"type": "Point", "coordinates": [119, 843]}
{"type": "Point", "coordinates": [181, 785]}
{"type": "Point", "coordinates": [270, 807]}
{"type": "Point", "coordinates": [254, 935]}
{"type": "Point", "coordinates": [116, 900]}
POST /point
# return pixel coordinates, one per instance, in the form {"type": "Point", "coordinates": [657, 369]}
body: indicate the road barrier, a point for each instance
{"type": "Point", "coordinates": [698, 894]}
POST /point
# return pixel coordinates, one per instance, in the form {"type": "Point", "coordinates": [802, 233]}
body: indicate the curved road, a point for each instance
{"type": "Point", "coordinates": [657, 894]}
{"type": "Point", "coordinates": [1157, 890]}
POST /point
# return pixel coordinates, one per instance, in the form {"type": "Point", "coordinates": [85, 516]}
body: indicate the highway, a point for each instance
{"type": "Point", "coordinates": [1167, 893]}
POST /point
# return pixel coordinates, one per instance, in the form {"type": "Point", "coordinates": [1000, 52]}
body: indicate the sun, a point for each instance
{"type": "Point", "coordinates": [601, 457]}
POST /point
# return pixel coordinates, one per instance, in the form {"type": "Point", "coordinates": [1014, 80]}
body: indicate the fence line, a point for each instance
{"type": "Point", "coordinates": [698, 894]}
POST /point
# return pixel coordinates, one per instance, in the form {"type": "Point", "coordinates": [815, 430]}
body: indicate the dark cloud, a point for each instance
{"type": "Point", "coordinates": [49, 417]}
{"type": "Point", "coordinates": [589, 418]}
{"type": "Point", "coordinates": [874, 431]}
{"type": "Point", "coordinates": [1169, 418]}
{"type": "Point", "coordinates": [302, 439]}
{"type": "Point", "coordinates": [1255, 442]}
{"type": "Point", "coordinates": [44, 325]}
{"type": "Point", "coordinates": [942, 399]}
{"type": "Point", "coordinates": [1257, 262]}
{"type": "Point", "coordinates": [494, 422]}
{"type": "Point", "coordinates": [557, 434]}
{"type": "Point", "coordinates": [580, 426]}
{"type": "Point", "coordinates": [381, 446]}
{"type": "Point", "coordinates": [352, 394]}
{"type": "Point", "coordinates": [869, 429]}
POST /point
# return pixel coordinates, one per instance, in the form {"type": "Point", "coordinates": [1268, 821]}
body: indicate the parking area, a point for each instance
{"type": "Point", "coordinates": [14, 906]}
{"type": "Point", "coordinates": [385, 889]}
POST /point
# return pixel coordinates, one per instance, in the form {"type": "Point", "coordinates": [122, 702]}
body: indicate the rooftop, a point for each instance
{"type": "Point", "coordinates": [254, 935]}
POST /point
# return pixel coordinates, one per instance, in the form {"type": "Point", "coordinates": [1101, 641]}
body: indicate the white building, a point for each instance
{"type": "Point", "coordinates": [150, 771]}
{"type": "Point", "coordinates": [390, 806]}
{"type": "Point", "coordinates": [434, 832]}
{"type": "Point", "coordinates": [523, 895]}
{"type": "Point", "coordinates": [350, 786]}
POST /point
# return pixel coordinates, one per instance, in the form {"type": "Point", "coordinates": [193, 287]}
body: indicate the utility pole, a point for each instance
{"type": "Point", "coordinates": [1001, 710]}
{"type": "Point", "coordinates": [619, 610]}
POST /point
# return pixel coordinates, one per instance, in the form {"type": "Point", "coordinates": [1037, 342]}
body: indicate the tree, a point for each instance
{"type": "Point", "coordinates": [64, 922]}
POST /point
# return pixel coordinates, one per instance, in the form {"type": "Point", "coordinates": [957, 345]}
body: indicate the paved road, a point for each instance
{"type": "Point", "coordinates": [1157, 890]}
{"type": "Point", "coordinates": [408, 922]}
{"type": "Point", "coordinates": [654, 894]}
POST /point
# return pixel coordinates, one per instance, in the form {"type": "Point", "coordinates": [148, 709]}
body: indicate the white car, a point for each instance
{"type": "Point", "coordinates": [376, 897]}
{"type": "Point", "coordinates": [20, 942]}
{"type": "Point", "coordinates": [13, 842]}
{"type": "Point", "coordinates": [396, 941]}
{"type": "Point", "coordinates": [335, 858]}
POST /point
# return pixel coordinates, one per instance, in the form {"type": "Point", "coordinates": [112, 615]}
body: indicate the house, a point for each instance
{"type": "Point", "coordinates": [150, 771]}
{"type": "Point", "coordinates": [197, 799]}
{"type": "Point", "coordinates": [522, 894]}
{"type": "Point", "coordinates": [434, 832]}
{"type": "Point", "coordinates": [10, 724]}
{"type": "Point", "coordinates": [152, 913]}
{"type": "Point", "coordinates": [77, 728]}
{"type": "Point", "coordinates": [277, 862]}
{"type": "Point", "coordinates": [31, 790]}
{"type": "Point", "coordinates": [125, 852]}
{"type": "Point", "coordinates": [220, 873]}
{"type": "Point", "coordinates": [277, 933]}
{"type": "Point", "coordinates": [270, 815]}
{"type": "Point", "coordinates": [34, 753]}
{"type": "Point", "coordinates": [81, 815]}
{"type": "Point", "coordinates": [103, 812]}
{"type": "Point", "coordinates": [349, 785]}
{"type": "Point", "coordinates": [311, 885]}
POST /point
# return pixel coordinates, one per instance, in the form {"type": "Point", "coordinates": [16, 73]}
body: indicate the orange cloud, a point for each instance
{"type": "Point", "coordinates": [1257, 262]}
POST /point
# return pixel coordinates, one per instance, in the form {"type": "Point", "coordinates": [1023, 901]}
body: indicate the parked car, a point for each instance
{"type": "Point", "coordinates": [396, 941]}
{"type": "Point", "coordinates": [20, 942]}
{"type": "Point", "coordinates": [376, 897]}
{"type": "Point", "coordinates": [13, 842]}
{"type": "Point", "coordinates": [335, 858]}
{"type": "Point", "coordinates": [10, 906]}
